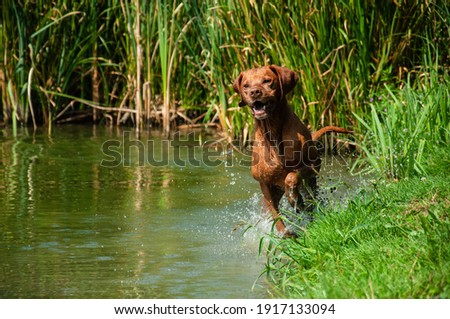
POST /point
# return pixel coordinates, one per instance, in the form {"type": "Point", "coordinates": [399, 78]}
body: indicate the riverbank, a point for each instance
{"type": "Point", "coordinates": [390, 241]}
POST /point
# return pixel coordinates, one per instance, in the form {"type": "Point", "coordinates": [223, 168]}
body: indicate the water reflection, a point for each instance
{"type": "Point", "coordinates": [71, 227]}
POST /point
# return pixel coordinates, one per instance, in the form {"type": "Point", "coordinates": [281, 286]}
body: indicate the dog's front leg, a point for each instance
{"type": "Point", "coordinates": [272, 197]}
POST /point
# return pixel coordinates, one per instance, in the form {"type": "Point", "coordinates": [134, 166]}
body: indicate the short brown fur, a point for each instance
{"type": "Point", "coordinates": [284, 157]}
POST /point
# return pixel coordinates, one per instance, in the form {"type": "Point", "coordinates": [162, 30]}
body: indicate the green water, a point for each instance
{"type": "Point", "coordinates": [90, 212]}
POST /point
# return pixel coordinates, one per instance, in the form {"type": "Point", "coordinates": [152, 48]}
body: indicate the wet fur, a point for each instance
{"type": "Point", "coordinates": [285, 159]}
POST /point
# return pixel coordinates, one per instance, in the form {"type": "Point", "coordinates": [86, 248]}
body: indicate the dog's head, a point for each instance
{"type": "Point", "coordinates": [263, 88]}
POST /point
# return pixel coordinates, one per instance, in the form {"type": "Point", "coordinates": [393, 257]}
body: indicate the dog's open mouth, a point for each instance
{"type": "Point", "coordinates": [259, 110]}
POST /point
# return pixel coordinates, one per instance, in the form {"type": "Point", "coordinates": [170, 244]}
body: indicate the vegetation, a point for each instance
{"type": "Point", "coordinates": [390, 242]}
{"type": "Point", "coordinates": [166, 62]}
{"type": "Point", "coordinates": [404, 125]}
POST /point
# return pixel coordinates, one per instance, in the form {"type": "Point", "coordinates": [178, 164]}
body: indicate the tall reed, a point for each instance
{"type": "Point", "coordinates": [101, 60]}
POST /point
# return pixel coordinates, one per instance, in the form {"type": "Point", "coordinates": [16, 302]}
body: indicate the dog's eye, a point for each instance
{"type": "Point", "coordinates": [267, 81]}
{"type": "Point", "coordinates": [246, 86]}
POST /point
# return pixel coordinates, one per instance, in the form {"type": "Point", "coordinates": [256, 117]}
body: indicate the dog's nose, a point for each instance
{"type": "Point", "coordinates": [255, 92]}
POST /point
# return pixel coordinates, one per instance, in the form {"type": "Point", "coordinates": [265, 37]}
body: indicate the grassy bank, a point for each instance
{"type": "Point", "coordinates": [389, 242]}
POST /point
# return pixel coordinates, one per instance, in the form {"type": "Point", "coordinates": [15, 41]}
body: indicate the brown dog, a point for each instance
{"type": "Point", "coordinates": [285, 158]}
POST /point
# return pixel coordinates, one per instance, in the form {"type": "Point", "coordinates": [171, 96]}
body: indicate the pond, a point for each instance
{"type": "Point", "coordinates": [93, 212]}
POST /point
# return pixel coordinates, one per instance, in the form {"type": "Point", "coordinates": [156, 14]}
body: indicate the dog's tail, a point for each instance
{"type": "Point", "coordinates": [318, 134]}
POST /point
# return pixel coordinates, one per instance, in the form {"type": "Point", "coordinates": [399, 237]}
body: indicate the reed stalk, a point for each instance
{"type": "Point", "coordinates": [164, 47]}
{"type": "Point", "coordinates": [139, 62]}
{"type": "Point", "coordinates": [14, 108]}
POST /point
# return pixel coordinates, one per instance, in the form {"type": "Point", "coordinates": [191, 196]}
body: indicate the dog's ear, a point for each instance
{"type": "Point", "coordinates": [237, 84]}
{"type": "Point", "coordinates": [237, 88]}
{"type": "Point", "coordinates": [288, 78]}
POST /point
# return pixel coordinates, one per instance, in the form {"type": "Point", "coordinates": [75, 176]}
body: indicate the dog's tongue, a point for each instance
{"type": "Point", "coordinates": [259, 111]}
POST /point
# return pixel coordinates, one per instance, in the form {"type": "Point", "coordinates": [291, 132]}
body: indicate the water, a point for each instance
{"type": "Point", "coordinates": [81, 218]}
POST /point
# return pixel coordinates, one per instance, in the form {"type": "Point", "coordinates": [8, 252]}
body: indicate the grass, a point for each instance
{"type": "Point", "coordinates": [403, 125]}
{"type": "Point", "coordinates": [389, 242]}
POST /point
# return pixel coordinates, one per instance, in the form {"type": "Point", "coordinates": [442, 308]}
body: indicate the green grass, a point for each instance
{"type": "Point", "coordinates": [389, 242]}
{"type": "Point", "coordinates": [403, 125]}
